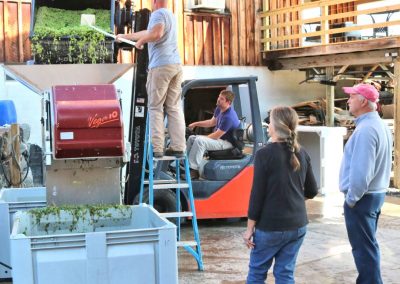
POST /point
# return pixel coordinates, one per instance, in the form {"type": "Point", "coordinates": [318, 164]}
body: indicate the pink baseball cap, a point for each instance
{"type": "Point", "coordinates": [366, 90]}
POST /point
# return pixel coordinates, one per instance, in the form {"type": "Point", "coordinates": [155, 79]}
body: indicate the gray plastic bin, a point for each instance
{"type": "Point", "coordinates": [12, 200]}
{"type": "Point", "coordinates": [115, 248]}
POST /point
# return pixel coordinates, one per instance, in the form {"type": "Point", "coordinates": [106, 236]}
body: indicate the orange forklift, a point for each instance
{"type": "Point", "coordinates": [223, 189]}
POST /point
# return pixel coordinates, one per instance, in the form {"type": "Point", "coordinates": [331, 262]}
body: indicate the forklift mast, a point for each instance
{"type": "Point", "coordinates": [138, 114]}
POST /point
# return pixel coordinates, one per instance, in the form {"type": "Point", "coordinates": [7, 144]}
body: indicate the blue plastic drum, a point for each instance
{"type": "Point", "coordinates": [8, 114]}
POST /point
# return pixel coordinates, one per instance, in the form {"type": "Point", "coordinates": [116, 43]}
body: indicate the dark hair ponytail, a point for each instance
{"type": "Point", "coordinates": [294, 148]}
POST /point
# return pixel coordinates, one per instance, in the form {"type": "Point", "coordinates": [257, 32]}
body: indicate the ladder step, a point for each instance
{"type": "Point", "coordinates": [176, 214]}
{"type": "Point", "coordinates": [186, 244]}
{"type": "Point", "coordinates": [169, 158]}
{"type": "Point", "coordinates": [171, 185]}
{"type": "Point", "coordinates": [160, 181]}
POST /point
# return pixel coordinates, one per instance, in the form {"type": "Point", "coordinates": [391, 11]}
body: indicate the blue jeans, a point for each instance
{"type": "Point", "coordinates": [361, 224]}
{"type": "Point", "coordinates": [281, 246]}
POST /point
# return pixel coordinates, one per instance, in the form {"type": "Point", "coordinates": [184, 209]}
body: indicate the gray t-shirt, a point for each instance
{"type": "Point", "coordinates": [165, 50]}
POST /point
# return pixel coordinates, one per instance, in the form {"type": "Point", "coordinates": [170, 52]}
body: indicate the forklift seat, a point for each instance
{"type": "Point", "coordinates": [228, 154]}
{"type": "Point", "coordinates": [234, 153]}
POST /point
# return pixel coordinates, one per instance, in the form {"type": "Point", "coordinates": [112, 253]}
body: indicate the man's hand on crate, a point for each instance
{"type": "Point", "coordinates": [118, 38]}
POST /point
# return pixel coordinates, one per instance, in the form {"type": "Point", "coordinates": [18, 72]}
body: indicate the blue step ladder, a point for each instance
{"type": "Point", "coordinates": [193, 247]}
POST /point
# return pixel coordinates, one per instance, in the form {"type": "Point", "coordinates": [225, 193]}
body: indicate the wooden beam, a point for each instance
{"type": "Point", "coordinates": [26, 17]}
{"type": "Point", "coordinates": [234, 33]}
{"type": "Point", "coordinates": [6, 32]}
{"type": "Point", "coordinates": [324, 26]}
{"type": "Point", "coordinates": [198, 41]}
{"type": "Point", "coordinates": [359, 58]}
{"type": "Point", "coordinates": [15, 170]}
{"type": "Point", "coordinates": [242, 7]}
{"type": "Point", "coordinates": [257, 31]}
{"type": "Point", "coordinates": [370, 72]}
{"type": "Point", "coordinates": [266, 21]}
{"type": "Point", "coordinates": [344, 47]}
{"type": "Point", "coordinates": [330, 98]}
{"type": "Point", "coordinates": [2, 32]}
{"type": "Point", "coordinates": [217, 40]}
{"type": "Point", "coordinates": [384, 68]}
{"type": "Point", "coordinates": [227, 55]}
{"type": "Point", "coordinates": [396, 95]}
{"type": "Point", "coordinates": [20, 32]}
{"type": "Point", "coordinates": [189, 40]}
{"type": "Point", "coordinates": [207, 41]}
{"type": "Point", "coordinates": [341, 71]}
{"type": "Point", "coordinates": [299, 27]}
{"type": "Point", "coordinates": [180, 16]}
{"type": "Point", "coordinates": [250, 33]}
{"type": "Point", "coordinates": [273, 20]}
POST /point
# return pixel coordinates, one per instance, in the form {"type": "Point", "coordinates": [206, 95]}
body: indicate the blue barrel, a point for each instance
{"type": "Point", "coordinates": [8, 115]}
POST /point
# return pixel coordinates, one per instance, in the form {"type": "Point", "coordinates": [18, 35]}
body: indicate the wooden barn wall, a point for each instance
{"type": "Point", "coordinates": [218, 39]}
{"type": "Point", "coordinates": [204, 39]}
{"type": "Point", "coordinates": [14, 30]}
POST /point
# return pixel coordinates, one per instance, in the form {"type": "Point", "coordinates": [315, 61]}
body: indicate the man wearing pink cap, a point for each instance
{"type": "Point", "coordinates": [364, 179]}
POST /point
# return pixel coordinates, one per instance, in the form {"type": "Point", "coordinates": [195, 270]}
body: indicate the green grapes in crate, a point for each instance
{"type": "Point", "coordinates": [59, 36]}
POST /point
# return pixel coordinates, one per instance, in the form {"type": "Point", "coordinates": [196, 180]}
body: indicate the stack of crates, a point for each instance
{"type": "Point", "coordinates": [59, 51]}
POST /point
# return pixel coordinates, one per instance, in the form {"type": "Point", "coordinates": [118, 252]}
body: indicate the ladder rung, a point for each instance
{"type": "Point", "coordinates": [169, 158]}
{"type": "Point", "coordinates": [176, 214]}
{"type": "Point", "coordinates": [186, 244]}
{"type": "Point", "coordinates": [171, 185]}
{"type": "Point", "coordinates": [160, 181]}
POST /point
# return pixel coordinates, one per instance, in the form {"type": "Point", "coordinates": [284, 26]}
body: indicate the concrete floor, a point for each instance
{"type": "Point", "coordinates": [325, 256]}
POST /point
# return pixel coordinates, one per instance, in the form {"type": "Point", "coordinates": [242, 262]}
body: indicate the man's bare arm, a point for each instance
{"type": "Point", "coordinates": [216, 135]}
{"type": "Point", "coordinates": [145, 36]}
{"type": "Point", "coordinates": [204, 123]}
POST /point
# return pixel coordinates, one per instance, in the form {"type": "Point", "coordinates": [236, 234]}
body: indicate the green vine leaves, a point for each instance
{"type": "Point", "coordinates": [59, 37]}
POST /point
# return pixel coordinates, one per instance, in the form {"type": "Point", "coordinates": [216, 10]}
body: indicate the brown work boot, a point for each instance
{"type": "Point", "coordinates": [171, 152]}
{"type": "Point", "coordinates": [158, 155]}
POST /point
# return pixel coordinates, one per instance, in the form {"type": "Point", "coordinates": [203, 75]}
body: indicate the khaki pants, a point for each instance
{"type": "Point", "coordinates": [164, 90]}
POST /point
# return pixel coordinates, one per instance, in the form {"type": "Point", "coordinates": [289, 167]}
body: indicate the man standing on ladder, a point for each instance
{"type": "Point", "coordinates": [164, 79]}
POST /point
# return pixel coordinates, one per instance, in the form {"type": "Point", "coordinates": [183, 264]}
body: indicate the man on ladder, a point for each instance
{"type": "Point", "coordinates": [164, 92]}
{"type": "Point", "coordinates": [164, 79]}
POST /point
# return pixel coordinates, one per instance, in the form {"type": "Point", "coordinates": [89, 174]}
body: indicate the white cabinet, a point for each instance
{"type": "Point", "coordinates": [325, 147]}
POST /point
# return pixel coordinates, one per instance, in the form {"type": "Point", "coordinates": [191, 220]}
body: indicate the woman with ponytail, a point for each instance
{"type": "Point", "coordinates": [277, 216]}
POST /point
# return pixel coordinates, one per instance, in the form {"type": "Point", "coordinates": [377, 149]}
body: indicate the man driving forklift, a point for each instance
{"type": "Point", "coordinates": [225, 120]}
